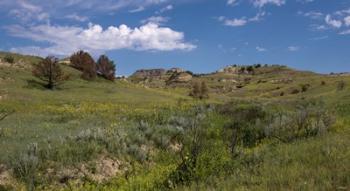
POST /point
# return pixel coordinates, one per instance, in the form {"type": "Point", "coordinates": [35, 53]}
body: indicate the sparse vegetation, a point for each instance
{"type": "Point", "coordinates": [120, 136]}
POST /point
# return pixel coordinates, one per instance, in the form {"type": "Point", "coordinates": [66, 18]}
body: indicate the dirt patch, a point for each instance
{"type": "Point", "coordinates": [103, 170]}
{"type": "Point", "coordinates": [5, 176]}
{"type": "Point", "coordinates": [100, 170]}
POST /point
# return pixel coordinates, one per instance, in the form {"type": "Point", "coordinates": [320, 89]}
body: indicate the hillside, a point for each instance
{"type": "Point", "coordinates": [139, 133]}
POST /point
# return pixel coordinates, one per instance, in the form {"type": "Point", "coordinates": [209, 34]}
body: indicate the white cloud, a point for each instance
{"type": "Point", "coordinates": [159, 20]}
{"type": "Point", "coordinates": [262, 3]}
{"type": "Point", "coordinates": [347, 21]}
{"type": "Point", "coordinates": [38, 10]}
{"type": "Point", "coordinates": [241, 21]}
{"type": "Point", "coordinates": [235, 22]}
{"type": "Point", "coordinates": [305, 1]}
{"type": "Point", "coordinates": [77, 17]}
{"type": "Point", "coordinates": [260, 49]}
{"type": "Point", "coordinates": [346, 32]}
{"type": "Point", "coordinates": [343, 12]}
{"type": "Point", "coordinates": [232, 2]}
{"type": "Point", "coordinates": [64, 40]}
{"type": "Point", "coordinates": [293, 48]}
{"type": "Point", "coordinates": [312, 14]}
{"type": "Point", "coordinates": [319, 38]}
{"type": "Point", "coordinates": [165, 9]}
{"type": "Point", "coordinates": [138, 9]}
{"type": "Point", "coordinates": [25, 11]}
{"type": "Point", "coordinates": [333, 22]}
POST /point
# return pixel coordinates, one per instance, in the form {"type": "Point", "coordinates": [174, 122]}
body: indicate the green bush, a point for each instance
{"type": "Point", "coordinates": [9, 59]}
{"type": "Point", "coordinates": [341, 85]}
{"type": "Point", "coordinates": [25, 166]}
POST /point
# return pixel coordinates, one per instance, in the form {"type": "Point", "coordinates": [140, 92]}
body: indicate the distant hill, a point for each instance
{"type": "Point", "coordinates": [266, 81]}
{"type": "Point", "coordinates": [20, 58]}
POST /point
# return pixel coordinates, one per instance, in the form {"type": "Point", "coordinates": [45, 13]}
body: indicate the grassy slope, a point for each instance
{"type": "Point", "coordinates": [76, 105]}
{"type": "Point", "coordinates": [79, 105]}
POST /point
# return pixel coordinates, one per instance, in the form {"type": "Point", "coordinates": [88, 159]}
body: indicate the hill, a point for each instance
{"type": "Point", "coordinates": [270, 128]}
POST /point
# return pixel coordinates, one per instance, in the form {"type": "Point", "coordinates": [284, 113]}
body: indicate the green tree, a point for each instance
{"type": "Point", "coordinates": [9, 59]}
{"type": "Point", "coordinates": [49, 71]}
{"type": "Point", "coordinates": [250, 69]}
{"type": "Point", "coordinates": [106, 68]}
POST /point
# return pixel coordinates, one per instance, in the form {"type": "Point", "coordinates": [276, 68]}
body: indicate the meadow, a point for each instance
{"type": "Point", "coordinates": [102, 135]}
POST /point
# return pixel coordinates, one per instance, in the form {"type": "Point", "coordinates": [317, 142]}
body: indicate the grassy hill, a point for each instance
{"type": "Point", "coordinates": [293, 132]}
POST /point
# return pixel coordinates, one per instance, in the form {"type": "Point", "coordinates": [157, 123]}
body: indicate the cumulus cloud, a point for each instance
{"type": "Point", "coordinates": [64, 40]}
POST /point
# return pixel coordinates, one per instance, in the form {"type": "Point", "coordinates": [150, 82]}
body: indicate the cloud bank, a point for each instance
{"type": "Point", "coordinates": [63, 40]}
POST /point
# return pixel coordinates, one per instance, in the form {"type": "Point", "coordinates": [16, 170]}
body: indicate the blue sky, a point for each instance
{"type": "Point", "coordinates": [198, 35]}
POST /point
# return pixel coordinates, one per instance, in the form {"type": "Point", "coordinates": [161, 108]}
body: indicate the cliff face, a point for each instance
{"type": "Point", "coordinates": [152, 73]}
{"type": "Point", "coordinates": [161, 77]}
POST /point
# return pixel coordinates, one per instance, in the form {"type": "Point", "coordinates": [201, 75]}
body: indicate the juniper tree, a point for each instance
{"type": "Point", "coordinates": [50, 72]}
{"type": "Point", "coordinates": [84, 62]}
{"type": "Point", "coordinates": [106, 68]}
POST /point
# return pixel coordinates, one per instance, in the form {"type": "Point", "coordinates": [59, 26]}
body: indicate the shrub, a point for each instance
{"type": "Point", "coordinates": [3, 115]}
{"type": "Point", "coordinates": [295, 91]}
{"type": "Point", "coordinates": [106, 68]}
{"type": "Point", "coordinates": [341, 85]}
{"type": "Point", "coordinates": [200, 91]}
{"type": "Point", "coordinates": [204, 91]}
{"type": "Point", "coordinates": [250, 69]}
{"type": "Point", "coordinates": [9, 59]}
{"type": "Point", "coordinates": [84, 62]}
{"type": "Point", "coordinates": [49, 71]}
{"type": "Point", "coordinates": [323, 83]}
{"type": "Point", "coordinates": [257, 65]}
{"type": "Point", "coordinates": [306, 121]}
{"type": "Point", "coordinates": [26, 165]}
{"type": "Point", "coordinates": [195, 92]}
{"type": "Point", "coordinates": [304, 87]}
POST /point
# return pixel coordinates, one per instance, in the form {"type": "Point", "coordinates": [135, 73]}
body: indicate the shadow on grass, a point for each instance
{"type": "Point", "coordinates": [34, 84]}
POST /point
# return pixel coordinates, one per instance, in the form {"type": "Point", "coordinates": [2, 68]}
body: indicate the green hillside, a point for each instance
{"type": "Point", "coordinates": [290, 131]}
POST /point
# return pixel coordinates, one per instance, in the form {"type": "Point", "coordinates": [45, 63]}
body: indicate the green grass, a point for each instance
{"type": "Point", "coordinates": [81, 121]}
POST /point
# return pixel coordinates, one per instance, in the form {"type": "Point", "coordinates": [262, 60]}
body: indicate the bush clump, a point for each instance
{"type": "Point", "coordinates": [9, 59]}
{"type": "Point", "coordinates": [84, 62]}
